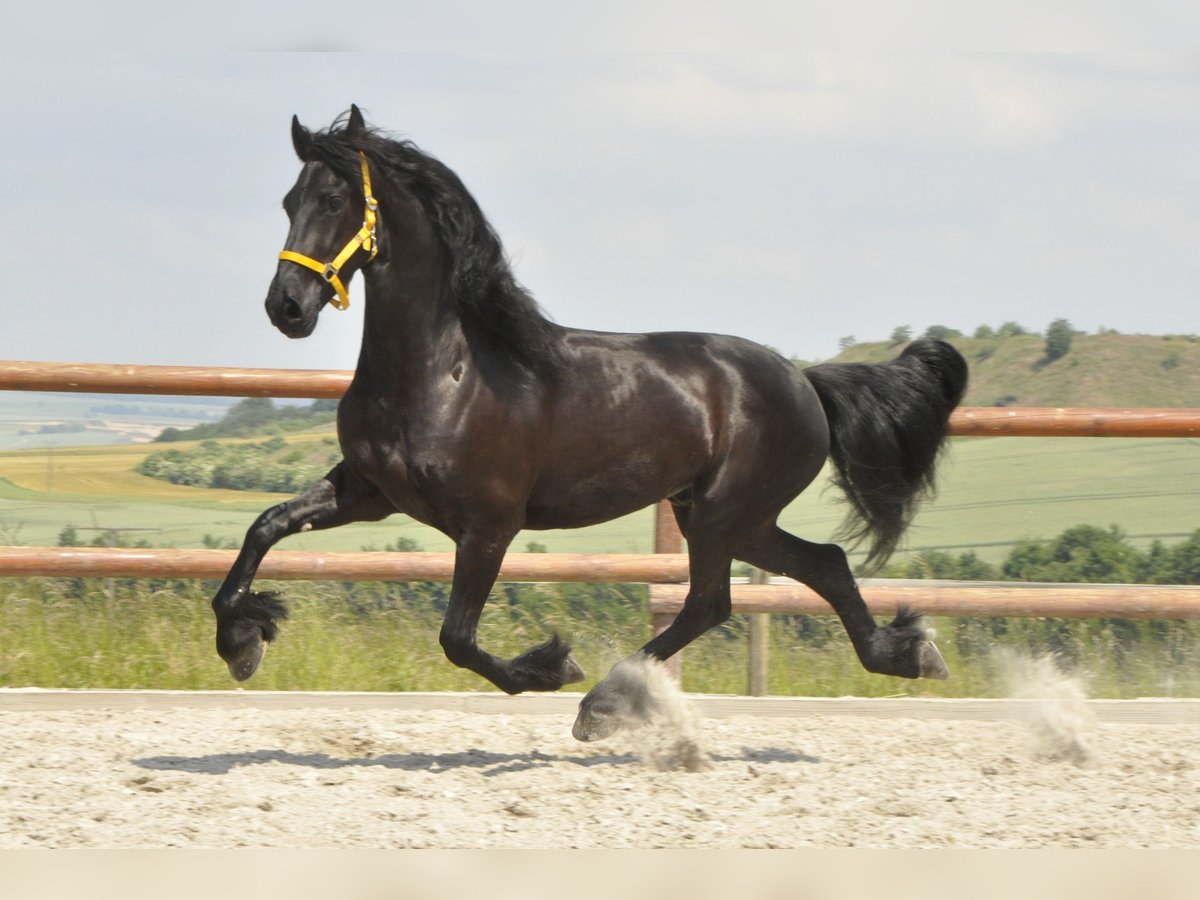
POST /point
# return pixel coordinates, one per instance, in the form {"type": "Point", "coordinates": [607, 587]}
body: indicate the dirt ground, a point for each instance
{"type": "Point", "coordinates": [383, 778]}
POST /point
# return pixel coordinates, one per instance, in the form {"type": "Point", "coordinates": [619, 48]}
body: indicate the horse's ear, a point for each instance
{"type": "Point", "coordinates": [301, 140]}
{"type": "Point", "coordinates": [357, 124]}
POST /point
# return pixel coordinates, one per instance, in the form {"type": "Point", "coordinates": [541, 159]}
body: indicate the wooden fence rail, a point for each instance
{"type": "Point", "coordinates": [963, 598]}
{"type": "Point", "coordinates": [119, 562]}
{"type": "Point", "coordinates": [182, 381]}
{"type": "Point", "coordinates": [1012, 421]}
{"type": "Point", "coordinates": [664, 572]}
{"type": "Point", "coordinates": [228, 382]}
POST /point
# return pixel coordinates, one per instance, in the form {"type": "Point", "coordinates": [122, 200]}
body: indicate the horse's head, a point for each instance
{"type": "Point", "coordinates": [332, 234]}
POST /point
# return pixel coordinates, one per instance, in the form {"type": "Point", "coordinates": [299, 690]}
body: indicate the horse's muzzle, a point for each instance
{"type": "Point", "coordinates": [289, 314]}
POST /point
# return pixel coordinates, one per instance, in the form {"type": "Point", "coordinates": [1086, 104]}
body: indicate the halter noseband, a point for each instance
{"type": "Point", "coordinates": [365, 239]}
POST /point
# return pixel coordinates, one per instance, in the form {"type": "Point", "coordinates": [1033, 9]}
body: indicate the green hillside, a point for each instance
{"type": "Point", "coordinates": [1107, 370]}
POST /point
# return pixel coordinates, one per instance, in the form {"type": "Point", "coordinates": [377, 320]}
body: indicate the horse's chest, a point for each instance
{"type": "Point", "coordinates": [397, 450]}
{"type": "Point", "coordinates": [373, 441]}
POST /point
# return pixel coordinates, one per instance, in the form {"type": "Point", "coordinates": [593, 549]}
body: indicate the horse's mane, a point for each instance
{"type": "Point", "coordinates": [487, 294]}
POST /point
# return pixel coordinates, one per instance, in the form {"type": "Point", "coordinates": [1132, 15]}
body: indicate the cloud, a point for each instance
{"type": "Point", "coordinates": [791, 197]}
{"type": "Point", "coordinates": [967, 101]}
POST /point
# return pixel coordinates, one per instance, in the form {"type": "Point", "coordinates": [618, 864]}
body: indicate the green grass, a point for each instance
{"type": "Point", "coordinates": [93, 634]}
{"type": "Point", "coordinates": [96, 634]}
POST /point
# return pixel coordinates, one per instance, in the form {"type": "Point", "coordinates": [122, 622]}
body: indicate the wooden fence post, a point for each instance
{"type": "Point", "coordinates": [760, 642]}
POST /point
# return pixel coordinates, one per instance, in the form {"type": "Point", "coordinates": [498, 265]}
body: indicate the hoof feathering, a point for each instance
{"type": "Point", "coordinates": [547, 667]}
{"type": "Point", "coordinates": [931, 663]}
{"type": "Point", "coordinates": [906, 649]}
{"type": "Point", "coordinates": [242, 639]}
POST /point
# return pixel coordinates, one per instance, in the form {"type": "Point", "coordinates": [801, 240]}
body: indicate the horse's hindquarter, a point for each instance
{"type": "Point", "coordinates": [638, 418]}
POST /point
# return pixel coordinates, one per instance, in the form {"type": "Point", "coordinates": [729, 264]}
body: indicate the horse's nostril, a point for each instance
{"type": "Point", "coordinates": [291, 309]}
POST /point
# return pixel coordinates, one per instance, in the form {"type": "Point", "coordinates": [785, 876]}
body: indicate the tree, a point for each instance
{"type": "Point", "coordinates": [941, 333]}
{"type": "Point", "coordinates": [1083, 554]}
{"type": "Point", "coordinates": [1184, 567]}
{"type": "Point", "coordinates": [984, 333]}
{"type": "Point", "coordinates": [902, 334]}
{"type": "Point", "coordinates": [403, 545]}
{"type": "Point", "coordinates": [939, 564]}
{"type": "Point", "coordinates": [1011, 329]}
{"type": "Point", "coordinates": [251, 412]}
{"type": "Point", "coordinates": [845, 343]}
{"type": "Point", "coordinates": [1058, 339]}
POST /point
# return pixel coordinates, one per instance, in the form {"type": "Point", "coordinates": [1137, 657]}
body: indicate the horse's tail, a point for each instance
{"type": "Point", "coordinates": [887, 425]}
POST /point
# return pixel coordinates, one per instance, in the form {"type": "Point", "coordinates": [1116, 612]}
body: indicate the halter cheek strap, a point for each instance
{"type": "Point", "coordinates": [364, 240]}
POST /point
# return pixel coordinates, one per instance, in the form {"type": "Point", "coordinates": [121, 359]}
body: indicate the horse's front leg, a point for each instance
{"type": "Point", "coordinates": [246, 620]}
{"type": "Point", "coordinates": [544, 668]}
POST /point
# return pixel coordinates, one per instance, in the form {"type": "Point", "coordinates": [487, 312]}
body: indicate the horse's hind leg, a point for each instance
{"type": "Point", "coordinates": [623, 696]}
{"type": "Point", "coordinates": [902, 648]}
{"type": "Point", "coordinates": [246, 620]}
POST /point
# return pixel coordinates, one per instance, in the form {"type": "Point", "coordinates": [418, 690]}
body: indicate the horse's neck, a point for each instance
{"type": "Point", "coordinates": [410, 335]}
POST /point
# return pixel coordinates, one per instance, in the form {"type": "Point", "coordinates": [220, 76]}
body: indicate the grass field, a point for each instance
{"type": "Point", "coordinates": [138, 634]}
{"type": "Point", "coordinates": [122, 634]}
{"type": "Point", "coordinates": [993, 491]}
{"type": "Point", "coordinates": [97, 487]}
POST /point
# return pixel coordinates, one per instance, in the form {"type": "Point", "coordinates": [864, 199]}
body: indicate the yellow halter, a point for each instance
{"type": "Point", "coordinates": [365, 239]}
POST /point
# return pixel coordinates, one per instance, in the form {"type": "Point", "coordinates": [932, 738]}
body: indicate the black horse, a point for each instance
{"type": "Point", "coordinates": [473, 413]}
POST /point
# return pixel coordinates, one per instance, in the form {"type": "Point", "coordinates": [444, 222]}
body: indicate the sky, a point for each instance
{"type": "Point", "coordinates": [794, 198]}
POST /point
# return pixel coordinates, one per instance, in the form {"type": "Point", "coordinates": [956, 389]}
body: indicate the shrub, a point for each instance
{"type": "Point", "coordinates": [265, 466]}
{"type": "Point", "coordinates": [1058, 339]}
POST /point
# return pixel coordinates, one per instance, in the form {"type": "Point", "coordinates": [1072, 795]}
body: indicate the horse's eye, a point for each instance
{"type": "Point", "coordinates": [334, 203]}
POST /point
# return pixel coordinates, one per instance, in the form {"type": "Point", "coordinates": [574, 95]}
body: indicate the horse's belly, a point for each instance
{"type": "Point", "coordinates": [580, 516]}
{"type": "Point", "coordinates": [573, 499]}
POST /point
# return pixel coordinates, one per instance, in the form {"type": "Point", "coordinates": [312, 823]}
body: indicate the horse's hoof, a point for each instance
{"type": "Point", "coordinates": [594, 725]}
{"type": "Point", "coordinates": [572, 672]}
{"type": "Point", "coordinates": [248, 662]}
{"type": "Point", "coordinates": [624, 698]}
{"type": "Point", "coordinates": [602, 713]}
{"type": "Point", "coordinates": [930, 662]}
